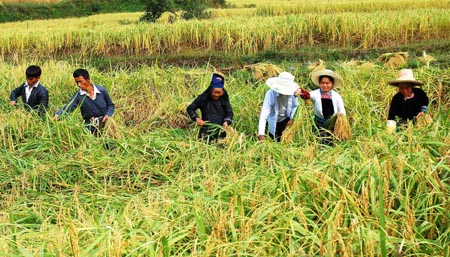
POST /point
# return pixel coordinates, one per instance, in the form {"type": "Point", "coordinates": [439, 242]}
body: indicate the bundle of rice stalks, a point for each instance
{"type": "Point", "coordinates": [424, 120]}
{"type": "Point", "coordinates": [263, 71]}
{"type": "Point", "coordinates": [232, 136]}
{"type": "Point", "coordinates": [342, 127]}
{"type": "Point", "coordinates": [426, 59]}
{"type": "Point", "coordinates": [178, 120]}
{"type": "Point", "coordinates": [290, 131]}
{"type": "Point", "coordinates": [318, 65]}
{"type": "Point", "coordinates": [393, 60]}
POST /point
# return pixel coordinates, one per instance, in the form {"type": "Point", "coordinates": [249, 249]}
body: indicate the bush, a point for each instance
{"type": "Point", "coordinates": [190, 8]}
{"type": "Point", "coordinates": [70, 8]}
{"type": "Point", "coordinates": [154, 9]}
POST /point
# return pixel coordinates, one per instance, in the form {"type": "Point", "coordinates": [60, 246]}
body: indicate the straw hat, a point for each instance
{"type": "Point", "coordinates": [317, 74]}
{"type": "Point", "coordinates": [405, 76]}
{"type": "Point", "coordinates": [283, 84]}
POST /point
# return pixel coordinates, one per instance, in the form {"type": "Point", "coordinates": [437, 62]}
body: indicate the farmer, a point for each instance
{"type": "Point", "coordinates": [327, 103]}
{"type": "Point", "coordinates": [409, 102]}
{"type": "Point", "coordinates": [280, 105]}
{"type": "Point", "coordinates": [215, 108]}
{"type": "Point", "coordinates": [33, 93]}
{"type": "Point", "coordinates": [95, 103]}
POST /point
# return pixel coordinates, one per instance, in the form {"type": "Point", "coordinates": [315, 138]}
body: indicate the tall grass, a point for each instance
{"type": "Point", "coordinates": [156, 191]}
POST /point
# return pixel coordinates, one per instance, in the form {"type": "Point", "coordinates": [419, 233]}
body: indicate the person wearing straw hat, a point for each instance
{"type": "Point", "coordinates": [327, 102]}
{"type": "Point", "coordinates": [215, 108]}
{"type": "Point", "coordinates": [280, 105]}
{"type": "Point", "coordinates": [409, 102]}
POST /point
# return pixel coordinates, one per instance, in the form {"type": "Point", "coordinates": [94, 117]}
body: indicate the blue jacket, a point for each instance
{"type": "Point", "coordinates": [37, 101]}
{"type": "Point", "coordinates": [101, 106]}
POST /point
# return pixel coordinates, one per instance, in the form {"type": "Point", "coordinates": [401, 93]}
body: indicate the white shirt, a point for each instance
{"type": "Point", "coordinates": [29, 88]}
{"type": "Point", "coordinates": [338, 103]}
{"type": "Point", "coordinates": [96, 91]}
{"type": "Point", "coordinates": [270, 109]}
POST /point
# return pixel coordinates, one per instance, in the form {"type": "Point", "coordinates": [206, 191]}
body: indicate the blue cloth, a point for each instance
{"type": "Point", "coordinates": [217, 81]}
{"type": "Point", "coordinates": [101, 106]}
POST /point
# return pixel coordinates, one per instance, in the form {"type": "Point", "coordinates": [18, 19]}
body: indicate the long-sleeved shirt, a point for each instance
{"type": "Point", "coordinates": [213, 111]}
{"type": "Point", "coordinates": [407, 109]}
{"type": "Point", "coordinates": [316, 98]}
{"type": "Point", "coordinates": [270, 109]}
{"type": "Point", "coordinates": [37, 99]}
{"type": "Point", "coordinates": [102, 104]}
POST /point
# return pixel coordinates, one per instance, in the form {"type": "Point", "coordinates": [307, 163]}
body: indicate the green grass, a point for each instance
{"type": "Point", "coordinates": [150, 189]}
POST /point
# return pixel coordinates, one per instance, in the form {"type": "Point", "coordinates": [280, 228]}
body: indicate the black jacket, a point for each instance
{"type": "Point", "coordinates": [37, 101]}
{"type": "Point", "coordinates": [407, 109]}
{"type": "Point", "coordinates": [207, 106]}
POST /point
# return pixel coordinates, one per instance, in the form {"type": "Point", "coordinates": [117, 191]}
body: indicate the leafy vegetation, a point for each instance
{"type": "Point", "coordinates": [20, 11]}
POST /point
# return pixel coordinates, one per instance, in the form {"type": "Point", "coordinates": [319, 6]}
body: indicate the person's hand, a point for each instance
{"type": "Point", "coordinates": [261, 137]}
{"type": "Point", "coordinates": [298, 92]}
{"type": "Point", "coordinates": [420, 114]}
{"type": "Point", "coordinates": [55, 117]}
{"type": "Point", "coordinates": [105, 118]}
{"type": "Point", "coordinates": [289, 122]}
{"type": "Point", "coordinates": [200, 122]}
{"type": "Point", "coordinates": [225, 124]}
{"type": "Point", "coordinates": [12, 103]}
{"type": "Point", "coordinates": [391, 126]}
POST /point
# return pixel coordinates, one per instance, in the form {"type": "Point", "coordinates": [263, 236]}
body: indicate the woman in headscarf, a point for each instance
{"type": "Point", "coordinates": [215, 108]}
{"type": "Point", "coordinates": [327, 102]}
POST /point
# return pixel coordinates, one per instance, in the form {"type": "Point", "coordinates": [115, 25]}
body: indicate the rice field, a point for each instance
{"type": "Point", "coordinates": [243, 34]}
{"type": "Point", "coordinates": [149, 188]}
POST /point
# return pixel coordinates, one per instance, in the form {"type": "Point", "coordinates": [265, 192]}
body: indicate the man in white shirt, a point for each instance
{"type": "Point", "coordinates": [33, 93]}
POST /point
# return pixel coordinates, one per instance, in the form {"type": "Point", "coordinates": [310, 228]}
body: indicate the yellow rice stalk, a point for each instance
{"type": "Point", "coordinates": [73, 234]}
{"type": "Point", "coordinates": [367, 65]}
{"type": "Point", "coordinates": [232, 136]}
{"type": "Point", "coordinates": [231, 132]}
{"type": "Point", "coordinates": [168, 17]}
{"type": "Point", "coordinates": [393, 60]}
{"type": "Point", "coordinates": [318, 65]}
{"type": "Point", "coordinates": [112, 130]}
{"type": "Point", "coordinates": [263, 71]}
{"type": "Point", "coordinates": [290, 131]}
{"type": "Point", "coordinates": [396, 61]}
{"type": "Point", "coordinates": [342, 128]}
{"type": "Point", "coordinates": [424, 120]}
{"type": "Point", "coordinates": [426, 58]}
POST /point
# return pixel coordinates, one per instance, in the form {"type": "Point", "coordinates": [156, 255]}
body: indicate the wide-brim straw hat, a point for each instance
{"type": "Point", "coordinates": [405, 76]}
{"type": "Point", "coordinates": [283, 84]}
{"type": "Point", "coordinates": [338, 81]}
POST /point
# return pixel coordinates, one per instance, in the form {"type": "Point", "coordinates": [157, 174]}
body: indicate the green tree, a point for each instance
{"type": "Point", "coordinates": [190, 8]}
{"type": "Point", "coordinates": [154, 9]}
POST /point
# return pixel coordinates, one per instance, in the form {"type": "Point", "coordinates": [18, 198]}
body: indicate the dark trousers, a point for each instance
{"type": "Point", "coordinates": [94, 125]}
{"type": "Point", "coordinates": [281, 126]}
{"type": "Point", "coordinates": [325, 127]}
{"type": "Point", "coordinates": [210, 133]}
